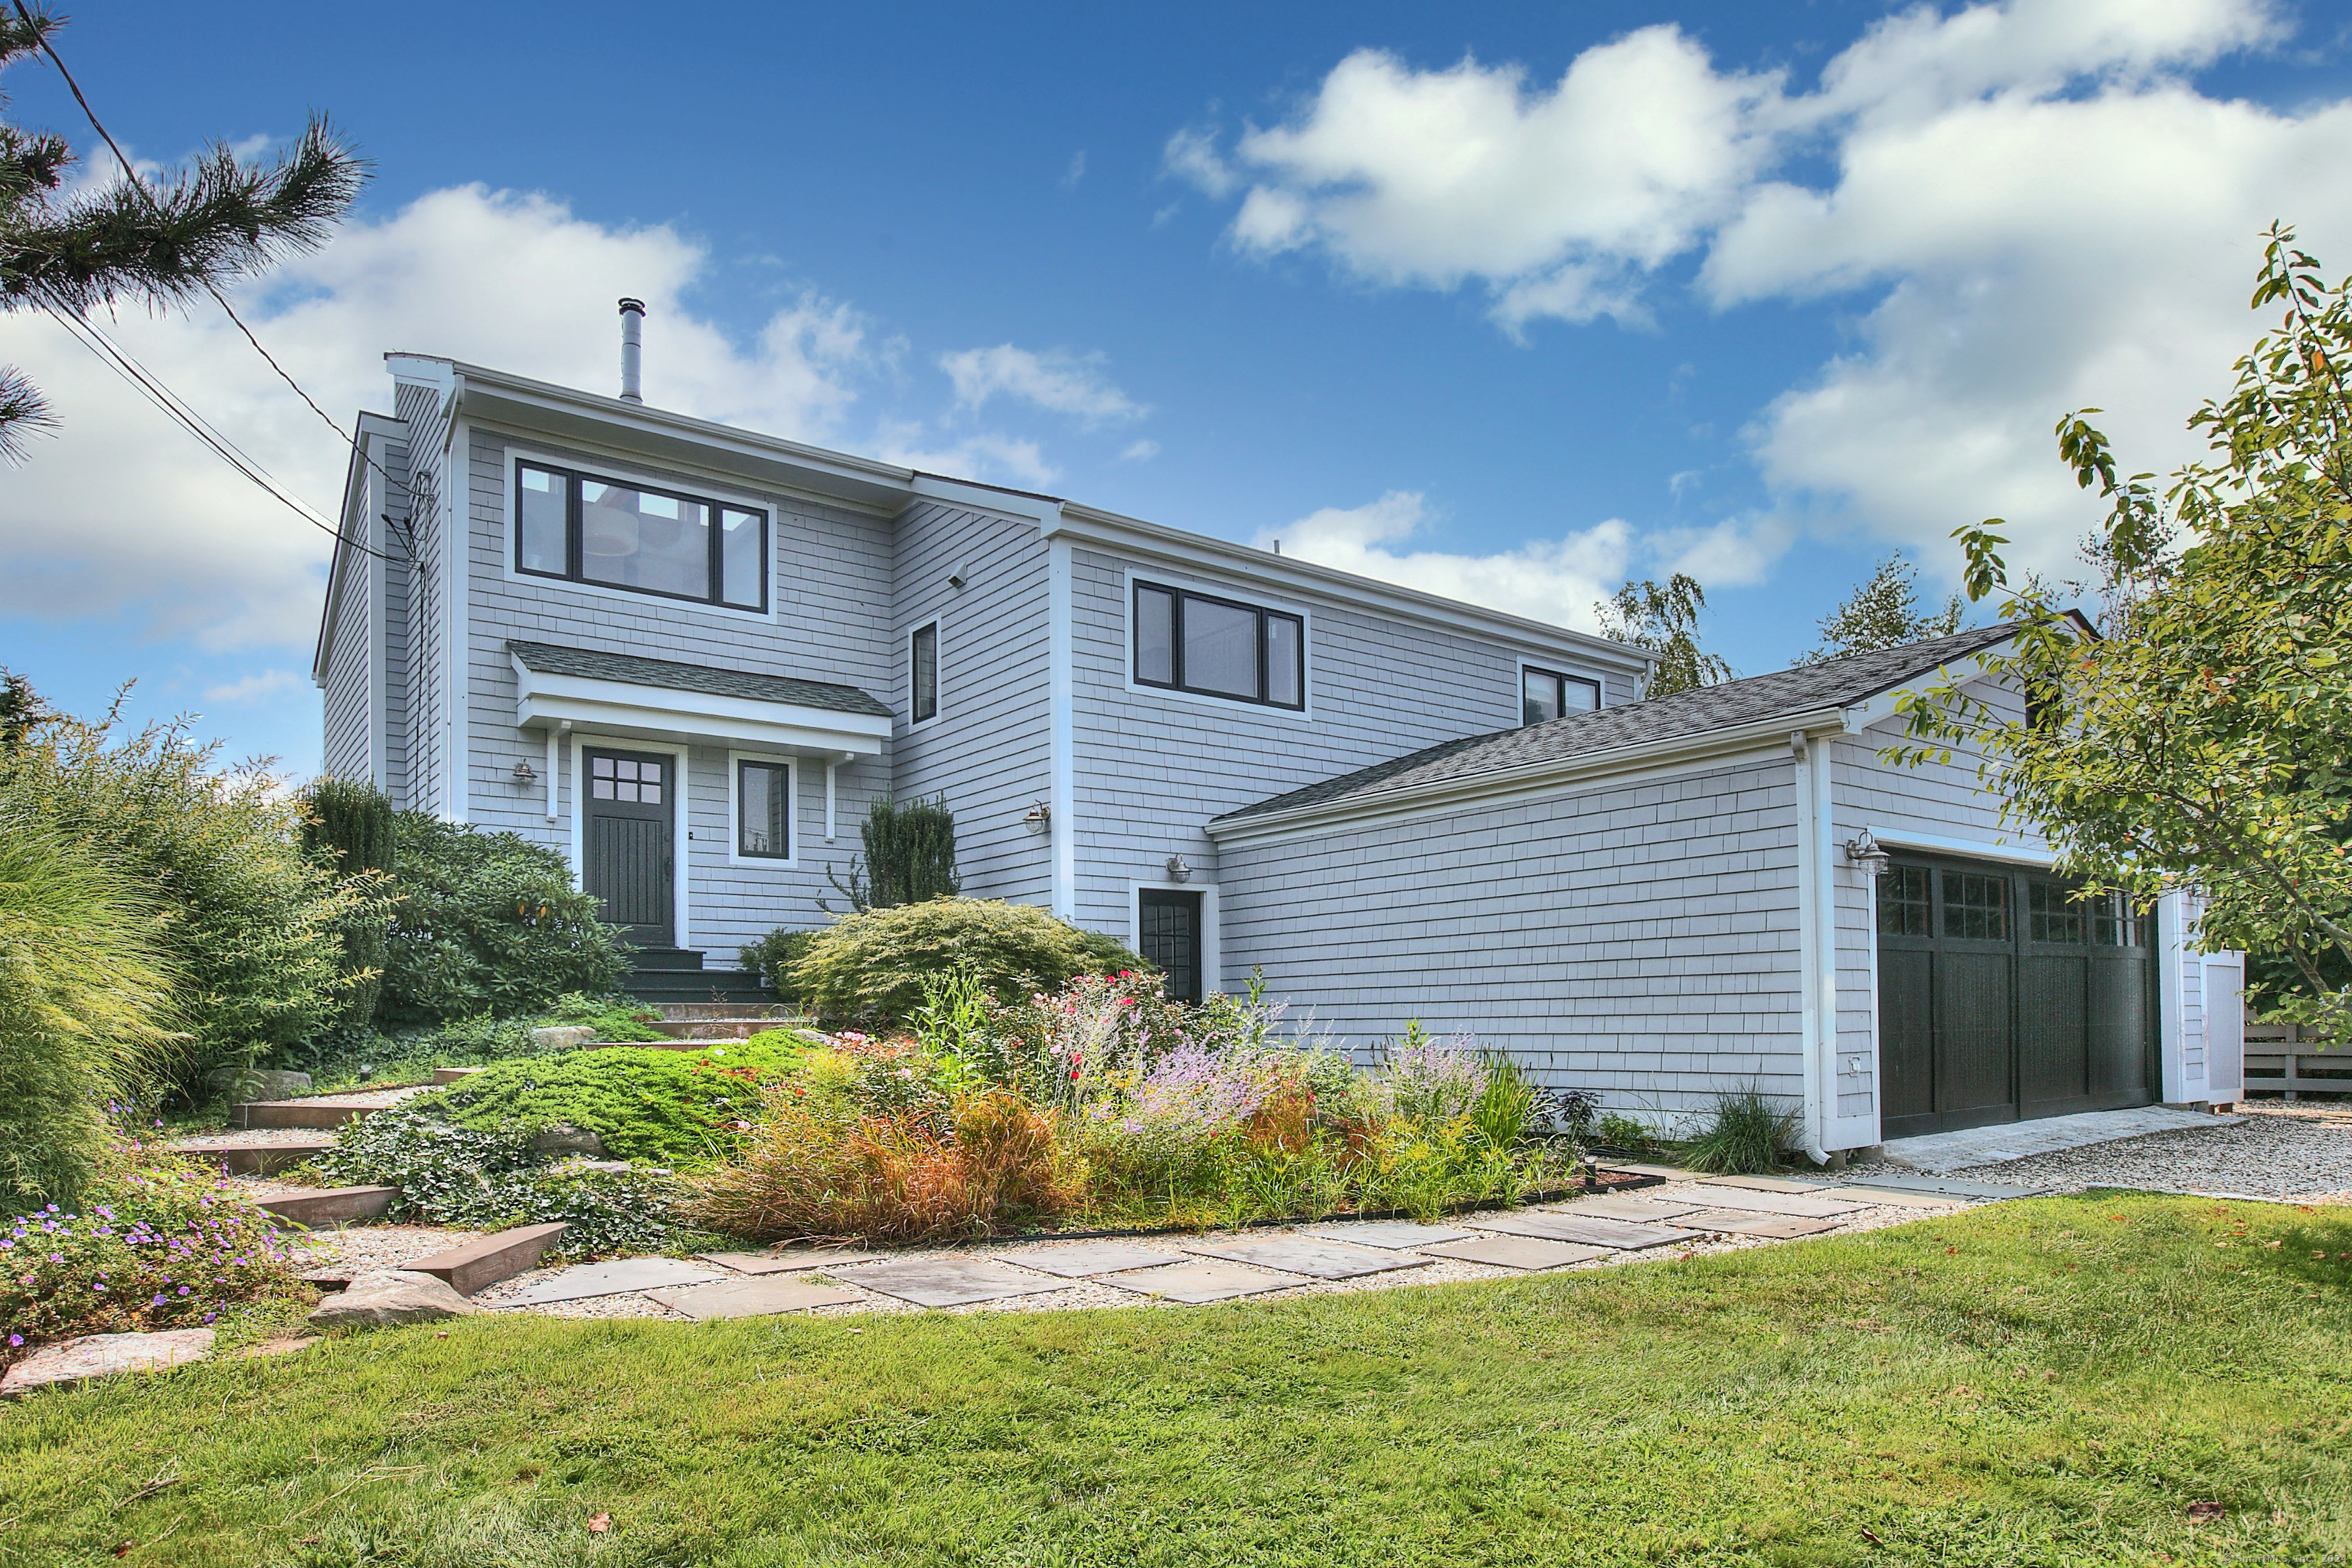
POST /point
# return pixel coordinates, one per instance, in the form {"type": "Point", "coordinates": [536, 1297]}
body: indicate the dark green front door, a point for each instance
{"type": "Point", "coordinates": [631, 802]}
{"type": "Point", "coordinates": [2003, 996]}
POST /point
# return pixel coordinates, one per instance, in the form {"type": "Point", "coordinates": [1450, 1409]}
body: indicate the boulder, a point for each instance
{"type": "Point", "coordinates": [565, 1139]}
{"type": "Point", "coordinates": [103, 1356]}
{"type": "Point", "coordinates": [389, 1298]}
{"type": "Point", "coordinates": [243, 1086]}
{"type": "Point", "coordinates": [562, 1037]}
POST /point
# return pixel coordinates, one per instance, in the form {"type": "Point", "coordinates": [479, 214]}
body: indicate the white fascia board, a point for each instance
{"type": "Point", "coordinates": [2006, 853]}
{"type": "Point", "coordinates": [1111, 531]}
{"type": "Point", "coordinates": [654, 711]}
{"type": "Point", "coordinates": [1444, 795]}
{"type": "Point", "coordinates": [424, 370]}
{"type": "Point", "coordinates": [1039, 509]}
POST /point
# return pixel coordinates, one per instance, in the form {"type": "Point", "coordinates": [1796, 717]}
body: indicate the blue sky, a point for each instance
{"type": "Point", "coordinates": [1509, 302]}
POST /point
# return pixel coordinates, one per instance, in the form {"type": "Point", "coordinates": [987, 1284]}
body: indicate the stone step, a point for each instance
{"type": "Point", "coordinates": [332, 1206]}
{"type": "Point", "coordinates": [256, 1159]}
{"type": "Point", "coordinates": [267, 1113]}
{"type": "Point", "coordinates": [452, 1075]}
{"type": "Point", "coordinates": [496, 1256]}
{"type": "Point", "coordinates": [727, 1028]}
{"type": "Point", "coordinates": [724, 1012]}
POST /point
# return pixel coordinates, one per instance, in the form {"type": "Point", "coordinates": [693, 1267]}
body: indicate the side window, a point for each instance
{"type": "Point", "coordinates": [763, 807]}
{"type": "Point", "coordinates": [1218, 648]}
{"type": "Point", "coordinates": [923, 672]}
{"type": "Point", "coordinates": [1546, 694]}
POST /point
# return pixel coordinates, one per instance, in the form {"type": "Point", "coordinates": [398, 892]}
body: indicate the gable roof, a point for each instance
{"type": "Point", "coordinates": [1734, 704]}
{"type": "Point", "coordinates": [546, 658]}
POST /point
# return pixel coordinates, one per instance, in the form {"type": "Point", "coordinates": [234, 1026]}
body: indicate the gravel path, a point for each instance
{"type": "Point", "coordinates": [2300, 1152]}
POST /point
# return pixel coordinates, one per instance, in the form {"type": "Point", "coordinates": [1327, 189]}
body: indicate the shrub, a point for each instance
{"type": "Point", "coordinates": [872, 965]}
{"type": "Point", "coordinates": [910, 856]}
{"type": "Point", "coordinates": [347, 827]}
{"type": "Point", "coordinates": [83, 1004]}
{"type": "Point", "coordinates": [1622, 1133]}
{"type": "Point", "coordinates": [1743, 1136]}
{"type": "Point", "coordinates": [488, 923]}
{"type": "Point", "coordinates": [249, 926]}
{"type": "Point", "coordinates": [157, 1244]}
{"type": "Point", "coordinates": [1432, 1082]}
{"type": "Point", "coordinates": [772, 958]}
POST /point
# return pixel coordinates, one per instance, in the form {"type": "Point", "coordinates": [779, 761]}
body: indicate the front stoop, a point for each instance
{"type": "Point", "coordinates": [492, 1258]}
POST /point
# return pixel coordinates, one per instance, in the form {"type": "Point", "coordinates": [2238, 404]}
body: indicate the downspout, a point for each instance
{"type": "Point", "coordinates": [1813, 915]}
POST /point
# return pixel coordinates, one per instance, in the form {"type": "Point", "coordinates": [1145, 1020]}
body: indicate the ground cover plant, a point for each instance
{"type": "Point", "coordinates": [348, 1059]}
{"type": "Point", "coordinates": [2107, 1378]}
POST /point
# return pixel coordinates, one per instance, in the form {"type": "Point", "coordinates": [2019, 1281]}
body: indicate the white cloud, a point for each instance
{"type": "Point", "coordinates": [2042, 211]}
{"type": "Point", "coordinates": [994, 457]}
{"type": "Point", "coordinates": [1192, 156]}
{"type": "Point", "coordinates": [121, 511]}
{"type": "Point", "coordinates": [1076, 171]}
{"type": "Point", "coordinates": [253, 687]}
{"type": "Point", "coordinates": [1554, 580]}
{"type": "Point", "coordinates": [1057, 382]}
{"type": "Point", "coordinates": [1141, 451]}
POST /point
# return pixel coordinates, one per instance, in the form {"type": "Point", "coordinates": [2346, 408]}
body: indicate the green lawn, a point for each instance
{"type": "Point", "coordinates": [2048, 1382]}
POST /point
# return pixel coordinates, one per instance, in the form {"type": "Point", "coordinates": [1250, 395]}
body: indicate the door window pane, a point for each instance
{"type": "Point", "coordinates": [1221, 649]}
{"type": "Point", "coordinates": [1285, 661]}
{"type": "Point", "coordinates": [2052, 912]}
{"type": "Point", "coordinates": [1903, 900]}
{"type": "Point", "coordinates": [543, 521]}
{"type": "Point", "coordinates": [742, 557]}
{"type": "Point", "coordinates": [1976, 907]}
{"type": "Point", "coordinates": [923, 656]}
{"type": "Point", "coordinates": [1155, 636]}
{"type": "Point", "coordinates": [2115, 923]}
{"type": "Point", "coordinates": [763, 809]}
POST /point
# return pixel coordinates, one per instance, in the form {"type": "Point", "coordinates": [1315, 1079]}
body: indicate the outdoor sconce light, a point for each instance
{"type": "Point", "coordinates": [1865, 852]}
{"type": "Point", "coordinates": [524, 774]}
{"type": "Point", "coordinates": [1039, 818]}
{"type": "Point", "coordinates": [1178, 871]}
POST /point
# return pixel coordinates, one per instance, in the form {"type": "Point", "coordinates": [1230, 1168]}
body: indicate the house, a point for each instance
{"type": "Point", "coordinates": [689, 656]}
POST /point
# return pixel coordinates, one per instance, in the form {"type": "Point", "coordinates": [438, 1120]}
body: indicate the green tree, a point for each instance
{"type": "Point", "coordinates": [910, 856]}
{"type": "Point", "coordinates": [143, 243]}
{"type": "Point", "coordinates": [1884, 612]}
{"type": "Point", "coordinates": [2205, 741]}
{"type": "Point", "coordinates": [1666, 621]}
{"type": "Point", "coordinates": [347, 827]}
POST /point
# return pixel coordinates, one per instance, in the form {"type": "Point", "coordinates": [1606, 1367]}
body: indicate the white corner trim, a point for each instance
{"type": "Point", "coordinates": [735, 856]}
{"type": "Point", "coordinates": [1246, 591]}
{"type": "Point", "coordinates": [1061, 676]}
{"type": "Point", "coordinates": [554, 771]}
{"type": "Point", "coordinates": [1810, 917]}
{"type": "Point", "coordinates": [1968, 848]}
{"type": "Point", "coordinates": [2172, 1000]}
{"type": "Point", "coordinates": [680, 821]}
{"type": "Point", "coordinates": [832, 794]}
{"type": "Point", "coordinates": [457, 538]}
{"type": "Point", "coordinates": [1212, 957]}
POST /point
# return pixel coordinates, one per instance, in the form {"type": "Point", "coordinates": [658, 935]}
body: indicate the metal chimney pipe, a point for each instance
{"type": "Point", "coordinates": [633, 321]}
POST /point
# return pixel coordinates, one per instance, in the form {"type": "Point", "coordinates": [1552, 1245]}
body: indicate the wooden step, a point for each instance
{"type": "Point", "coordinates": [332, 1206]}
{"type": "Point", "coordinates": [267, 1113]}
{"type": "Point", "coordinates": [497, 1257]}
{"type": "Point", "coordinates": [256, 1159]}
{"type": "Point", "coordinates": [452, 1075]}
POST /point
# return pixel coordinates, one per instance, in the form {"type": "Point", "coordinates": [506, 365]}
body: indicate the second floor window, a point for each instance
{"type": "Point", "coordinates": [584, 529]}
{"type": "Point", "coordinates": [923, 665]}
{"type": "Point", "coordinates": [1192, 642]}
{"type": "Point", "coordinates": [1546, 694]}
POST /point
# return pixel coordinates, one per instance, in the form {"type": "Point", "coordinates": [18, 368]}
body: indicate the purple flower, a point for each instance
{"type": "Point", "coordinates": [15, 1340]}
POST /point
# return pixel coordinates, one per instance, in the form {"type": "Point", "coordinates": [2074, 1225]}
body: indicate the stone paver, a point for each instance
{"type": "Point", "coordinates": [945, 1282]}
{"type": "Point", "coordinates": [1767, 1185]}
{"type": "Point", "coordinates": [1529, 1252]}
{"type": "Point", "coordinates": [1198, 1283]}
{"type": "Point", "coordinates": [584, 1280]}
{"type": "Point", "coordinates": [1087, 1258]}
{"type": "Point", "coordinates": [1311, 1255]}
{"type": "Point", "coordinates": [104, 1355]}
{"type": "Point", "coordinates": [1623, 1235]}
{"type": "Point", "coordinates": [1896, 1197]}
{"type": "Point", "coordinates": [795, 1261]}
{"type": "Point", "coordinates": [1652, 1211]}
{"type": "Point", "coordinates": [1937, 1186]}
{"type": "Point", "coordinates": [1775, 1203]}
{"type": "Point", "coordinates": [1938, 1152]}
{"type": "Point", "coordinates": [1744, 1221]}
{"type": "Point", "coordinates": [1398, 1235]}
{"type": "Point", "coordinates": [758, 1296]}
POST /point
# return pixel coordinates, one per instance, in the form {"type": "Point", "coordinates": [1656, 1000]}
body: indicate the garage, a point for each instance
{"type": "Point", "coordinates": [2005, 993]}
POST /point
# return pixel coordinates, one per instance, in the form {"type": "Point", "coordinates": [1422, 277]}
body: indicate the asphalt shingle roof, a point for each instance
{"type": "Point", "coordinates": [546, 658]}
{"type": "Point", "coordinates": [1833, 683]}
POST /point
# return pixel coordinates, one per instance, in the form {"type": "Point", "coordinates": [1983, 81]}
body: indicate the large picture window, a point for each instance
{"type": "Point", "coordinates": [1219, 648]}
{"type": "Point", "coordinates": [1546, 694]}
{"type": "Point", "coordinates": [584, 529]}
{"type": "Point", "coordinates": [763, 811]}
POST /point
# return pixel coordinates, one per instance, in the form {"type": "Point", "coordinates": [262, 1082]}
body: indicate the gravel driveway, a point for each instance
{"type": "Point", "coordinates": [2300, 1152]}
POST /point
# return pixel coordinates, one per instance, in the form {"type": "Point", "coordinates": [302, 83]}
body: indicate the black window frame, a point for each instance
{"type": "Point", "coordinates": [1561, 680]}
{"type": "Point", "coordinates": [1178, 598]}
{"type": "Point", "coordinates": [774, 765]}
{"type": "Point", "coordinates": [915, 692]}
{"type": "Point", "coordinates": [574, 563]}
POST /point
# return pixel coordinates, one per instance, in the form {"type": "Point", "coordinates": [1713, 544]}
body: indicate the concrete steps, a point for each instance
{"type": "Point", "coordinates": [500, 1255]}
{"type": "Point", "coordinates": [332, 1206]}
{"type": "Point", "coordinates": [256, 1159]}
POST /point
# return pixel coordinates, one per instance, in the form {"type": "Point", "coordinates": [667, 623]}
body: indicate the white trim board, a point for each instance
{"type": "Point", "coordinates": [680, 823]}
{"type": "Point", "coordinates": [659, 712]}
{"type": "Point", "coordinates": [1966, 848]}
{"type": "Point", "coordinates": [1212, 955]}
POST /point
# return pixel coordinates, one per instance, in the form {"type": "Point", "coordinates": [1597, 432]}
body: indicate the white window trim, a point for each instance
{"type": "Point", "coordinates": [516, 456]}
{"type": "Point", "coordinates": [735, 856]}
{"type": "Point", "coordinates": [1248, 595]}
{"type": "Point", "coordinates": [1212, 964]}
{"type": "Point", "coordinates": [680, 840]}
{"type": "Point", "coordinates": [938, 669]}
{"type": "Point", "coordinates": [1553, 667]}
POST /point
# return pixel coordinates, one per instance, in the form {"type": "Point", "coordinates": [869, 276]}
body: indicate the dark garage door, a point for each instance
{"type": "Point", "coordinates": [2004, 995]}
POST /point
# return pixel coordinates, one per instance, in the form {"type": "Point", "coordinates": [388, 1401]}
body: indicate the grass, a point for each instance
{"type": "Point", "coordinates": [2049, 1381]}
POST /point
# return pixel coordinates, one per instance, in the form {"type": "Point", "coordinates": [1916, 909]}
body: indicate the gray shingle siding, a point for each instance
{"type": "Point", "coordinates": [988, 750]}
{"type": "Point", "coordinates": [426, 661]}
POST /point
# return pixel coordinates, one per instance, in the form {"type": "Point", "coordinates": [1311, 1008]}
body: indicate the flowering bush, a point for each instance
{"type": "Point", "coordinates": [157, 1244]}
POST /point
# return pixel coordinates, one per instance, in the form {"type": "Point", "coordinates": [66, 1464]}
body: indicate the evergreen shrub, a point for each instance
{"type": "Point", "coordinates": [872, 966]}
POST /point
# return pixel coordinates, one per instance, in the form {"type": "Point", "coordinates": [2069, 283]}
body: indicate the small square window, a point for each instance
{"type": "Point", "coordinates": [763, 810]}
{"type": "Point", "coordinates": [923, 671]}
{"type": "Point", "coordinates": [1546, 694]}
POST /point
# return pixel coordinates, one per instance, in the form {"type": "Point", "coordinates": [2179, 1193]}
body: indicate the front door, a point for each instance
{"type": "Point", "coordinates": [625, 842]}
{"type": "Point", "coordinates": [1171, 939]}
